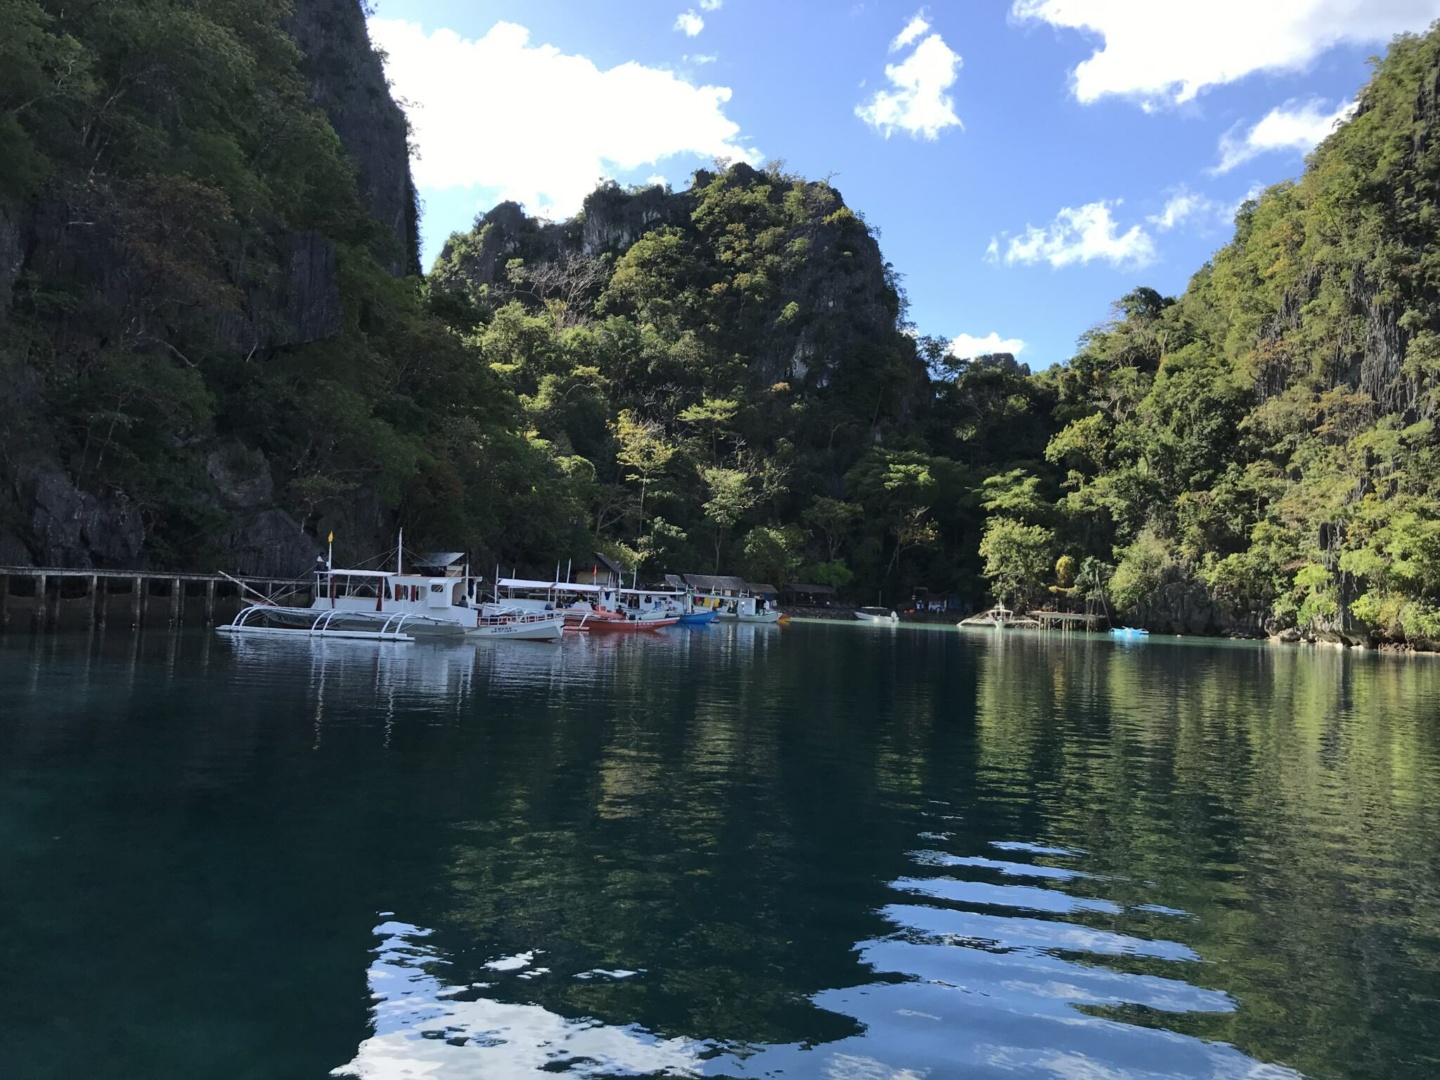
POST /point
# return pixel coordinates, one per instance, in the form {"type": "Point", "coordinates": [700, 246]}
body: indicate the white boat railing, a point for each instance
{"type": "Point", "coordinates": [392, 627]}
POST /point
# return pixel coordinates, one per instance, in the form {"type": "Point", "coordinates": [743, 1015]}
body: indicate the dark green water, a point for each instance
{"type": "Point", "coordinates": [823, 851]}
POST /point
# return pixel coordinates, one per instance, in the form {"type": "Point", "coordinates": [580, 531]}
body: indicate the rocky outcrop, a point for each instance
{"type": "Point", "coordinates": [839, 292]}
{"type": "Point", "coordinates": [241, 477]}
{"type": "Point", "coordinates": [68, 527]}
{"type": "Point", "coordinates": [298, 304]}
{"type": "Point", "coordinates": [271, 544]}
{"type": "Point", "coordinates": [347, 80]}
{"type": "Point", "coordinates": [112, 263]}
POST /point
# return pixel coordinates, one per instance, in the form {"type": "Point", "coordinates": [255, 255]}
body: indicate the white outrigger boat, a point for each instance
{"type": "Point", "coordinates": [999, 618]}
{"type": "Point", "coordinates": [876, 615]}
{"type": "Point", "coordinates": [384, 605]}
{"type": "Point", "coordinates": [588, 607]}
{"type": "Point", "coordinates": [745, 609]}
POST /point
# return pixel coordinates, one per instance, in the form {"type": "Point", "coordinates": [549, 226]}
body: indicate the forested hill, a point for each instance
{"type": "Point", "coordinates": [215, 349]}
{"type": "Point", "coordinates": [1261, 452]}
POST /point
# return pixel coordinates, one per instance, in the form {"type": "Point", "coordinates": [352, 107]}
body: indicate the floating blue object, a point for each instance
{"type": "Point", "coordinates": [1128, 632]}
{"type": "Point", "coordinates": [697, 618]}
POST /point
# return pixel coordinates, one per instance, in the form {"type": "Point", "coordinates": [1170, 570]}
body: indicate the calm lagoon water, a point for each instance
{"type": "Point", "coordinates": [824, 851]}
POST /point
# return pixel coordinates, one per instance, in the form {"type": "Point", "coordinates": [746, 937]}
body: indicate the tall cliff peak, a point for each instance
{"type": "Point", "coordinates": [347, 80]}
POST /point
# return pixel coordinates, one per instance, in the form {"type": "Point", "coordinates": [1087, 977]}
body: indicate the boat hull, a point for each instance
{"type": "Point", "coordinates": [528, 630]}
{"type": "Point", "coordinates": [272, 620]}
{"type": "Point", "coordinates": [866, 617]}
{"type": "Point", "coordinates": [765, 618]}
{"type": "Point", "coordinates": [629, 626]}
{"type": "Point", "coordinates": [697, 618]}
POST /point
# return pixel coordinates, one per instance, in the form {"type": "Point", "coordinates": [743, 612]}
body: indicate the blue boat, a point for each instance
{"type": "Point", "coordinates": [697, 618]}
{"type": "Point", "coordinates": [1128, 633]}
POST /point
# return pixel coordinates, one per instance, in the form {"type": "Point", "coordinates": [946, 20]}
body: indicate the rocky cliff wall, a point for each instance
{"type": "Point", "coordinates": [838, 294]}
{"type": "Point", "coordinates": [347, 80]}
{"type": "Point", "coordinates": [103, 266]}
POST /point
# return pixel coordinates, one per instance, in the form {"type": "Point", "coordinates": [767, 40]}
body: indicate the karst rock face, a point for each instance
{"type": "Point", "coordinates": [831, 292]}
{"type": "Point", "coordinates": [347, 80]}
{"type": "Point", "coordinates": [68, 261]}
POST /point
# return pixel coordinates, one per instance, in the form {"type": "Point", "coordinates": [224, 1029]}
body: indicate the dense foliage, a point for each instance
{"type": "Point", "coordinates": [202, 294]}
{"type": "Point", "coordinates": [1260, 452]}
{"type": "Point", "coordinates": [720, 378]}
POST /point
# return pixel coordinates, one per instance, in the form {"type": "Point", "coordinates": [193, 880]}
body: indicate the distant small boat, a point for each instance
{"type": "Point", "coordinates": [1128, 633]}
{"type": "Point", "coordinates": [697, 618]}
{"type": "Point", "coordinates": [747, 609]}
{"type": "Point", "coordinates": [876, 615]}
{"type": "Point", "coordinates": [1000, 618]}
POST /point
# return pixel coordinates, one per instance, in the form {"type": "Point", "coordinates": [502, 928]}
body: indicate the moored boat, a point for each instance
{"type": "Point", "coordinates": [748, 609]}
{"type": "Point", "coordinates": [272, 620]}
{"type": "Point", "coordinates": [398, 605]}
{"type": "Point", "coordinates": [1000, 618]}
{"type": "Point", "coordinates": [876, 615]}
{"type": "Point", "coordinates": [1128, 633]}
{"type": "Point", "coordinates": [631, 621]}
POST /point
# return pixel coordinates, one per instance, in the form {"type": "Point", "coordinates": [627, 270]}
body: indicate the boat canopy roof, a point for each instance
{"type": "Point", "coordinates": [648, 592]}
{"type": "Point", "coordinates": [716, 583]}
{"type": "Point", "coordinates": [385, 574]}
{"type": "Point", "coordinates": [439, 559]}
{"type": "Point", "coordinates": [549, 586]}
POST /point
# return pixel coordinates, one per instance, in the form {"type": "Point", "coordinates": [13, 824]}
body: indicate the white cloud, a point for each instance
{"type": "Point", "coordinates": [597, 123]}
{"type": "Point", "coordinates": [699, 59]}
{"type": "Point", "coordinates": [689, 24]}
{"type": "Point", "coordinates": [711, 5]}
{"type": "Point", "coordinates": [1084, 235]}
{"type": "Point", "coordinates": [1182, 206]}
{"type": "Point", "coordinates": [1296, 126]}
{"type": "Point", "coordinates": [914, 29]}
{"type": "Point", "coordinates": [967, 346]}
{"type": "Point", "coordinates": [1164, 53]}
{"type": "Point", "coordinates": [992, 250]}
{"type": "Point", "coordinates": [916, 102]}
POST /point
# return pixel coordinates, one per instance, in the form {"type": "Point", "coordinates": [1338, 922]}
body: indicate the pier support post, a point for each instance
{"type": "Point", "coordinates": [210, 602]}
{"type": "Point", "coordinates": [137, 607]}
{"type": "Point", "coordinates": [97, 601]}
{"type": "Point", "coordinates": [40, 601]}
{"type": "Point", "coordinates": [177, 597]}
{"type": "Point", "coordinates": [4, 601]}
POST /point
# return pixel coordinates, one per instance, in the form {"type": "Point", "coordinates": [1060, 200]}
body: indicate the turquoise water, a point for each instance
{"type": "Point", "coordinates": [822, 851]}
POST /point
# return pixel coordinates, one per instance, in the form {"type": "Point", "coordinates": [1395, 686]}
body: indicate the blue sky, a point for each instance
{"type": "Point", "coordinates": [1026, 162]}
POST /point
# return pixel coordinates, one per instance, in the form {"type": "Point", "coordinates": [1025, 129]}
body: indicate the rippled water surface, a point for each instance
{"type": "Point", "coordinates": [824, 851]}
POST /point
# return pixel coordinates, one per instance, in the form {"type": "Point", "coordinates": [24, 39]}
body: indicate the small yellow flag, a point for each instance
{"type": "Point", "coordinates": [332, 538]}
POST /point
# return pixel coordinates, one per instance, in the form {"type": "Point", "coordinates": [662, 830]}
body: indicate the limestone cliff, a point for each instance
{"type": "Point", "coordinates": [826, 286]}
{"type": "Point", "coordinates": [347, 80]}
{"type": "Point", "coordinates": [152, 258]}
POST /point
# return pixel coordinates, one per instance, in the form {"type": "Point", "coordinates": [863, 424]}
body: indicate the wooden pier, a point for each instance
{"type": "Point", "coordinates": [1067, 620]}
{"type": "Point", "coordinates": [45, 598]}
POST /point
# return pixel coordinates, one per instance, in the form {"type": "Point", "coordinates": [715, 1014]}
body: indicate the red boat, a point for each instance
{"type": "Point", "coordinates": [620, 622]}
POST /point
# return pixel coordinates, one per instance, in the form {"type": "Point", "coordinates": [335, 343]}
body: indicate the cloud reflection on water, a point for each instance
{"type": "Point", "coordinates": [979, 995]}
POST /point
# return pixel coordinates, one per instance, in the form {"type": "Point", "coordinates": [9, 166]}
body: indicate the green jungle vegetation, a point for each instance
{"type": "Point", "coordinates": [722, 378]}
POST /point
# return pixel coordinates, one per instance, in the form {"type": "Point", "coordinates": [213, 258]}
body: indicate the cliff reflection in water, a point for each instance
{"type": "Point", "coordinates": [742, 863]}
{"type": "Point", "coordinates": [743, 851]}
